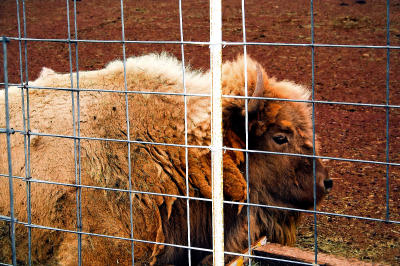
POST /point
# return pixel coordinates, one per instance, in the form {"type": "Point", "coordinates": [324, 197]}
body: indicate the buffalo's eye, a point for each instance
{"type": "Point", "coordinates": [280, 139]}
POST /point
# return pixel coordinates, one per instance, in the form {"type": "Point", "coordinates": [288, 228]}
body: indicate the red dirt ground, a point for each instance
{"type": "Point", "coordinates": [341, 74]}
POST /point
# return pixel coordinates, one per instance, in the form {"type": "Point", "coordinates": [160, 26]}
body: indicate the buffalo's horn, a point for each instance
{"type": "Point", "coordinates": [258, 92]}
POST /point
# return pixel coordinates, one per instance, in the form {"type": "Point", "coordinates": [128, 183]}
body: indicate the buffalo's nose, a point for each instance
{"type": "Point", "coordinates": [328, 183]}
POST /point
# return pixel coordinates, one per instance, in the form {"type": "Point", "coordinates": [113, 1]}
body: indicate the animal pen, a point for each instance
{"type": "Point", "coordinates": [346, 52]}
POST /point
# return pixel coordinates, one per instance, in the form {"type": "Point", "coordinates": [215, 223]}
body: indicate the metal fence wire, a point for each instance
{"type": "Point", "coordinates": [216, 45]}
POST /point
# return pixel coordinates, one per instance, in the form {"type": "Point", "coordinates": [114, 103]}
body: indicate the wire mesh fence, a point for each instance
{"type": "Point", "coordinates": [77, 88]}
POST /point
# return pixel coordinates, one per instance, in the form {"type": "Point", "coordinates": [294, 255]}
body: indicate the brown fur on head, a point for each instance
{"type": "Point", "coordinates": [273, 126]}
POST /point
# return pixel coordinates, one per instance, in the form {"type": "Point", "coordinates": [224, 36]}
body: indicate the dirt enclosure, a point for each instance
{"type": "Point", "coordinates": [342, 74]}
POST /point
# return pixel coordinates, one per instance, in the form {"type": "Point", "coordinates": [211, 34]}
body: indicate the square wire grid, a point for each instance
{"type": "Point", "coordinates": [74, 41]}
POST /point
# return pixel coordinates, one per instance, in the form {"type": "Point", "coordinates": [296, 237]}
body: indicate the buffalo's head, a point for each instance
{"type": "Point", "coordinates": [293, 177]}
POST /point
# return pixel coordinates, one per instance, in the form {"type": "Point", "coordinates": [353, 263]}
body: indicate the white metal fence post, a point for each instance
{"type": "Point", "coordinates": [216, 144]}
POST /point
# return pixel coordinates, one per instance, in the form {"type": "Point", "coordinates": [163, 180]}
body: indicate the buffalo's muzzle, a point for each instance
{"type": "Point", "coordinates": [328, 184]}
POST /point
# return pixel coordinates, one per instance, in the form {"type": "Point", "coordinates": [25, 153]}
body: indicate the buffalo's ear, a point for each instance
{"type": "Point", "coordinates": [254, 104]}
{"type": "Point", "coordinates": [235, 114]}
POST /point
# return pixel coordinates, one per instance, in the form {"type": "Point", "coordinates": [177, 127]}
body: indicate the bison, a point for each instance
{"type": "Point", "coordinates": [109, 164]}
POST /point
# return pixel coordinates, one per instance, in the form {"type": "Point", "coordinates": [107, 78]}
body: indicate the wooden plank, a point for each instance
{"type": "Point", "coordinates": [295, 254]}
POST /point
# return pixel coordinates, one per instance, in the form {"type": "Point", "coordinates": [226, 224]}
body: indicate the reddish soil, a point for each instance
{"type": "Point", "coordinates": [341, 74]}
